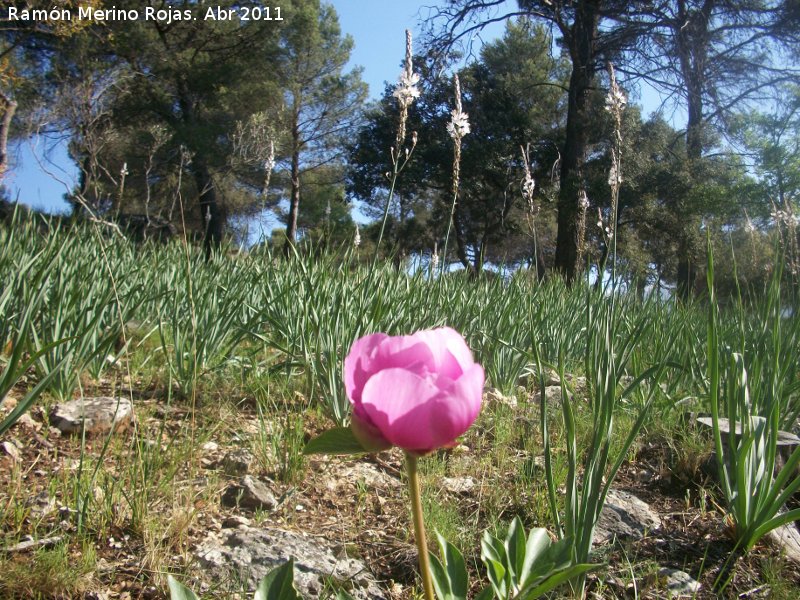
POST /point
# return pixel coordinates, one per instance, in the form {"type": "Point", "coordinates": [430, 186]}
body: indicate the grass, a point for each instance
{"type": "Point", "coordinates": [59, 572]}
{"type": "Point", "coordinates": [245, 351]}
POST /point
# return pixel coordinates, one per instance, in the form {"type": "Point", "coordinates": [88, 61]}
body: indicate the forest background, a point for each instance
{"type": "Point", "coordinates": [213, 127]}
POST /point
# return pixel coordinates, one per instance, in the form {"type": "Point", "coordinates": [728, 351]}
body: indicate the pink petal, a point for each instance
{"type": "Point", "coordinates": [457, 408]}
{"type": "Point", "coordinates": [356, 365]}
{"type": "Point", "coordinates": [405, 352]}
{"type": "Point", "coordinates": [416, 415]}
{"type": "Point", "coordinates": [394, 401]}
{"type": "Point", "coordinates": [452, 355]}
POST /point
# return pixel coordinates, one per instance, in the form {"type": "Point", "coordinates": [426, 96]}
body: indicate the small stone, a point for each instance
{"type": "Point", "coordinates": [552, 396]}
{"type": "Point", "coordinates": [27, 421]}
{"type": "Point", "coordinates": [459, 485]}
{"type": "Point", "coordinates": [101, 415]}
{"type": "Point", "coordinates": [237, 462]}
{"type": "Point", "coordinates": [678, 583]}
{"type": "Point", "coordinates": [103, 566]}
{"type": "Point", "coordinates": [10, 450]}
{"type": "Point", "coordinates": [249, 494]}
{"type": "Point", "coordinates": [624, 515]}
{"type": "Point", "coordinates": [496, 396]}
{"type": "Point", "coordinates": [553, 378]}
{"type": "Point", "coordinates": [9, 403]}
{"type": "Point", "coordinates": [41, 504]}
{"type": "Point", "coordinates": [235, 521]}
{"type": "Point", "coordinates": [361, 472]}
{"type": "Point", "coordinates": [210, 447]}
{"type": "Point", "coordinates": [645, 475]}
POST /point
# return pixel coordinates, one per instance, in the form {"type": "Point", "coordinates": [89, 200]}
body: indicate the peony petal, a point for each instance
{"type": "Point", "coordinates": [452, 355]}
{"type": "Point", "coordinates": [416, 415]}
{"type": "Point", "coordinates": [357, 364]}
{"type": "Point", "coordinates": [390, 396]}
{"type": "Point", "coordinates": [457, 408]}
{"type": "Point", "coordinates": [405, 352]}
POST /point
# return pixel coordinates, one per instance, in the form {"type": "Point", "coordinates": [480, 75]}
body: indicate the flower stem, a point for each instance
{"type": "Point", "coordinates": [419, 525]}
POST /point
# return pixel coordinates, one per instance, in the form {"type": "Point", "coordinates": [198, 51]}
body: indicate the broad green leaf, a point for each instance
{"type": "Point", "coordinates": [497, 577]}
{"type": "Point", "coordinates": [774, 523]}
{"type": "Point", "coordinates": [538, 542]}
{"type": "Point", "coordinates": [555, 580]}
{"type": "Point", "coordinates": [515, 550]}
{"type": "Point", "coordinates": [339, 440]}
{"type": "Point", "coordinates": [456, 569]}
{"type": "Point", "coordinates": [487, 593]}
{"type": "Point", "coordinates": [492, 548]}
{"type": "Point", "coordinates": [441, 581]}
{"type": "Point", "coordinates": [178, 591]}
{"type": "Point", "coordinates": [278, 584]}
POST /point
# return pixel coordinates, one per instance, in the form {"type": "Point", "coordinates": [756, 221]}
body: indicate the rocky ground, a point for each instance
{"type": "Point", "coordinates": [343, 520]}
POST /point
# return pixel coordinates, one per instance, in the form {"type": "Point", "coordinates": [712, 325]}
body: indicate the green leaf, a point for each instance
{"type": "Point", "coordinates": [456, 569]}
{"type": "Point", "coordinates": [515, 550]}
{"type": "Point", "coordinates": [339, 440]}
{"type": "Point", "coordinates": [555, 580]}
{"type": "Point", "coordinates": [492, 548]}
{"type": "Point", "coordinates": [497, 576]}
{"type": "Point", "coordinates": [537, 544]}
{"type": "Point", "coordinates": [178, 591]}
{"type": "Point", "coordinates": [278, 584]}
{"type": "Point", "coordinates": [487, 593]}
{"type": "Point", "coordinates": [441, 581]}
{"type": "Point", "coordinates": [342, 595]}
{"type": "Point", "coordinates": [774, 523]}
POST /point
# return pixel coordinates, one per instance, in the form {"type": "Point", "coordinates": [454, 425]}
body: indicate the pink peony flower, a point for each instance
{"type": "Point", "coordinates": [418, 392]}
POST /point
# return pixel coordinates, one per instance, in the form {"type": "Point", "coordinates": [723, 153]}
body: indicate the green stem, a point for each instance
{"type": "Point", "coordinates": [447, 236]}
{"type": "Point", "coordinates": [419, 525]}
{"type": "Point", "coordinates": [395, 173]}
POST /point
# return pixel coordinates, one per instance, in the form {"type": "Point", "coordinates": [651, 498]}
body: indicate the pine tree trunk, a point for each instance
{"type": "Point", "coordinates": [5, 126]}
{"type": "Point", "coordinates": [691, 35]}
{"type": "Point", "coordinates": [212, 216]}
{"type": "Point", "coordinates": [294, 205]}
{"type": "Point", "coordinates": [583, 36]}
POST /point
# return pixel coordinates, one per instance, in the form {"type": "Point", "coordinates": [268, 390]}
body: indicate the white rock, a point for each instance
{"type": "Point", "coordinates": [210, 447]}
{"type": "Point", "coordinates": [496, 396]}
{"type": "Point", "coordinates": [249, 494]}
{"type": "Point", "coordinates": [678, 583]}
{"type": "Point", "coordinates": [624, 515]}
{"type": "Point", "coordinates": [251, 553]}
{"type": "Point", "coordinates": [459, 485]}
{"type": "Point", "coordinates": [10, 450]}
{"type": "Point", "coordinates": [101, 415]}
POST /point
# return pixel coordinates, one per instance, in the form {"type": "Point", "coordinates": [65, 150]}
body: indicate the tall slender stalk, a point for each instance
{"type": "Point", "coordinates": [458, 127]}
{"type": "Point", "coordinates": [419, 525]}
{"type": "Point", "coordinates": [405, 92]}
